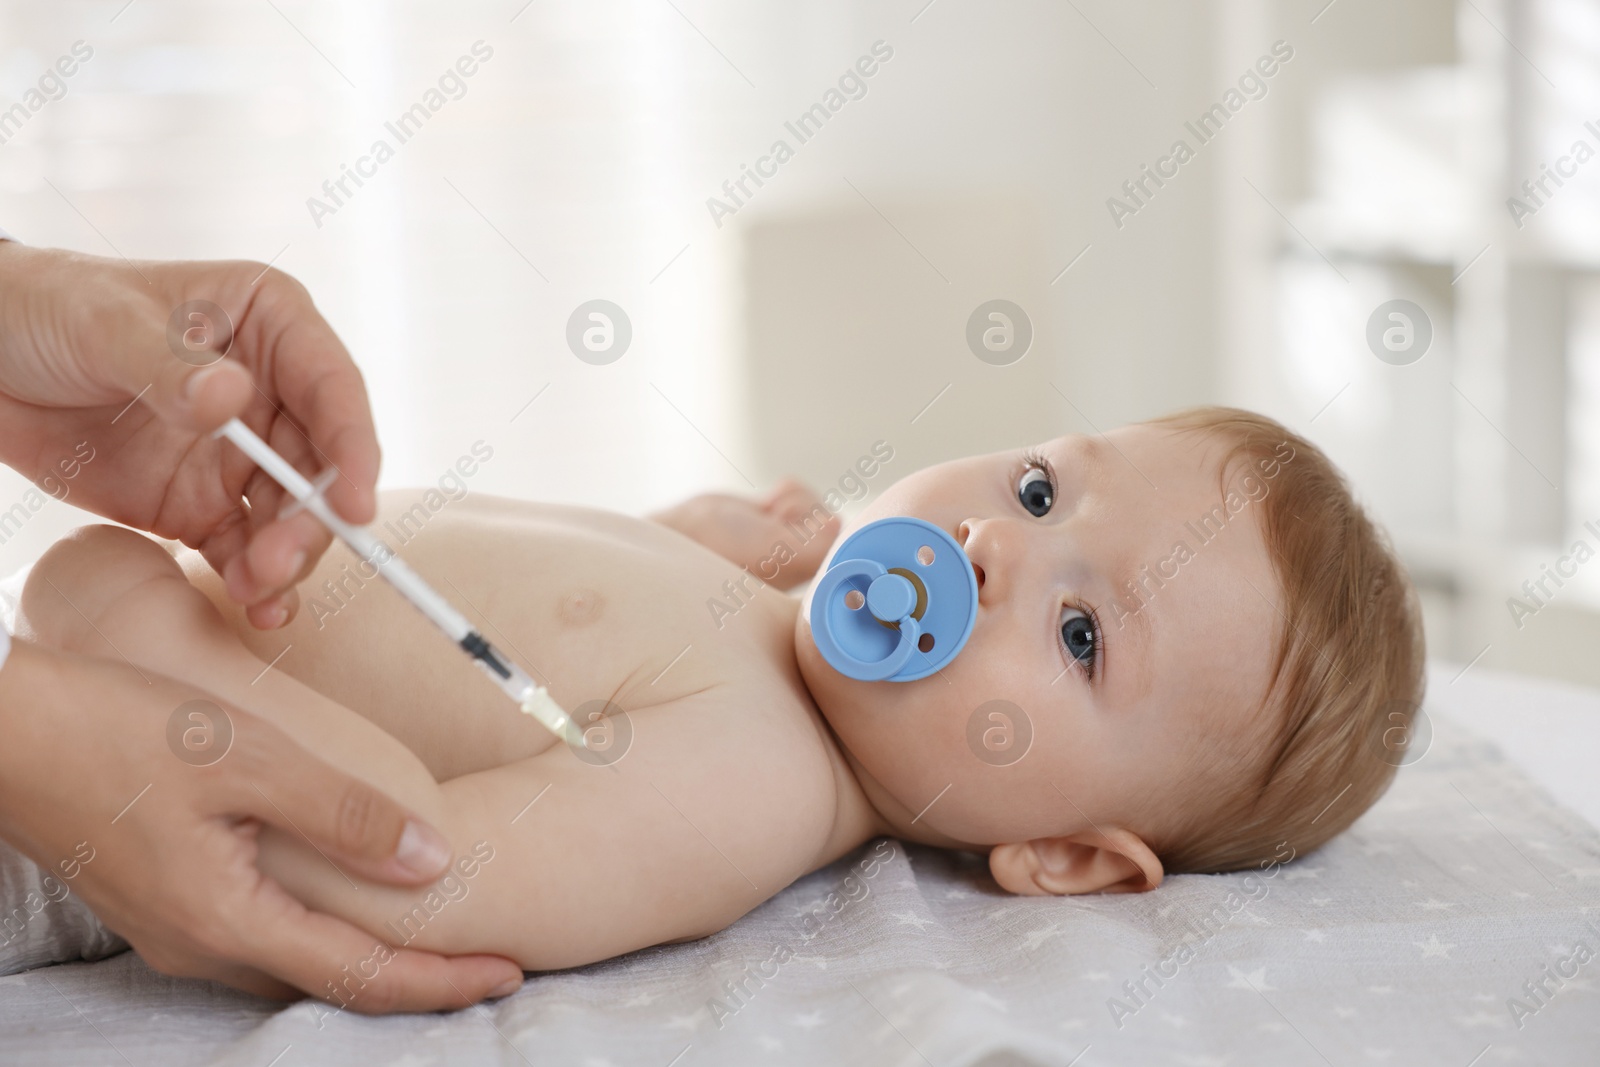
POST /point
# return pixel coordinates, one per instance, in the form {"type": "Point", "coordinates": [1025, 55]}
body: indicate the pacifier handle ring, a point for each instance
{"type": "Point", "coordinates": [861, 670]}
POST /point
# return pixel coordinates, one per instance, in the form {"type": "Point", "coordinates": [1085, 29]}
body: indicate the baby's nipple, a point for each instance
{"type": "Point", "coordinates": [580, 607]}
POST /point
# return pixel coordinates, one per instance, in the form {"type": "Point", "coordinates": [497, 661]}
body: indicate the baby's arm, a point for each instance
{"type": "Point", "coordinates": [781, 538]}
{"type": "Point", "coordinates": [559, 862]}
{"type": "Point", "coordinates": [563, 862]}
{"type": "Point", "coordinates": [552, 852]}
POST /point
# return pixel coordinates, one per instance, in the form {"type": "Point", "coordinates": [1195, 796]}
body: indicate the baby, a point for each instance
{"type": "Point", "coordinates": [1193, 652]}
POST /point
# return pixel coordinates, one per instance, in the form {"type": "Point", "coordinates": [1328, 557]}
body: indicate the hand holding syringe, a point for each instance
{"type": "Point", "coordinates": [532, 698]}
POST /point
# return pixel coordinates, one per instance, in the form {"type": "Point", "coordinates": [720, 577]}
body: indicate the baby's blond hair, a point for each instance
{"type": "Point", "coordinates": [1348, 674]}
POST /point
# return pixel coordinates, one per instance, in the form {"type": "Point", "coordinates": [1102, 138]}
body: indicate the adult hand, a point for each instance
{"type": "Point", "coordinates": [83, 337]}
{"type": "Point", "coordinates": [781, 538]}
{"type": "Point", "coordinates": [108, 354]}
{"type": "Point", "coordinates": [173, 845]}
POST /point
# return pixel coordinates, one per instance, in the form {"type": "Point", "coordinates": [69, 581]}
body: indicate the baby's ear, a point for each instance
{"type": "Point", "coordinates": [1090, 862]}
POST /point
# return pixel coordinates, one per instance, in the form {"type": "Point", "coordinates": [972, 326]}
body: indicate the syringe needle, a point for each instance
{"type": "Point", "coordinates": [532, 698]}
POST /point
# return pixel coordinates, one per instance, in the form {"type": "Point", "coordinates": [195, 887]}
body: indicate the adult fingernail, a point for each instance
{"type": "Point", "coordinates": [506, 988]}
{"type": "Point", "coordinates": [296, 563]}
{"type": "Point", "coordinates": [191, 384]}
{"type": "Point", "coordinates": [422, 851]}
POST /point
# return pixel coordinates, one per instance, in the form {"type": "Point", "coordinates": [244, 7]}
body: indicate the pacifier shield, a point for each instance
{"type": "Point", "coordinates": [898, 603]}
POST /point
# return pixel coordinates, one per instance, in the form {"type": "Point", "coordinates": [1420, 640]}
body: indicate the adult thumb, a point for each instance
{"type": "Point", "coordinates": [183, 372]}
{"type": "Point", "coordinates": [276, 780]}
{"type": "Point", "coordinates": [199, 398]}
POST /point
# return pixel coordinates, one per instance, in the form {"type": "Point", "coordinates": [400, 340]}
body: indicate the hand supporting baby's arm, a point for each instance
{"type": "Point", "coordinates": [562, 861]}
{"type": "Point", "coordinates": [781, 538]}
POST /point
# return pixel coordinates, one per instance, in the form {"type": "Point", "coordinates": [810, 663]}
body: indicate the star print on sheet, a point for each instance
{"type": "Point", "coordinates": [1432, 947]}
{"type": "Point", "coordinates": [1034, 938]}
{"type": "Point", "coordinates": [639, 1000]}
{"type": "Point", "coordinates": [809, 1021]}
{"type": "Point", "coordinates": [896, 1025]}
{"type": "Point", "coordinates": [1314, 934]}
{"type": "Point", "coordinates": [1433, 905]}
{"type": "Point", "coordinates": [768, 1042]}
{"type": "Point", "coordinates": [1254, 980]}
{"type": "Point", "coordinates": [910, 918]}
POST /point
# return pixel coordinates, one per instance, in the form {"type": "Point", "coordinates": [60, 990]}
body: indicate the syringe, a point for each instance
{"type": "Point", "coordinates": [532, 698]}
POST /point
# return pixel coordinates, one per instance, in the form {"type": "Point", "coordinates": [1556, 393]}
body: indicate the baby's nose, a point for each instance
{"type": "Point", "coordinates": [981, 540]}
{"type": "Point", "coordinates": [963, 533]}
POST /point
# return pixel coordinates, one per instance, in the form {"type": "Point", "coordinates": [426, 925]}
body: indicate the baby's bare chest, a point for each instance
{"type": "Point", "coordinates": [612, 614]}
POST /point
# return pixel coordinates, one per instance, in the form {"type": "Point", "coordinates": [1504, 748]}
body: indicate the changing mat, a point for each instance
{"type": "Point", "coordinates": [1455, 923]}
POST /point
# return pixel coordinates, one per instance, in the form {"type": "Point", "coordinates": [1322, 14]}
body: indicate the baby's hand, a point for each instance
{"type": "Point", "coordinates": [782, 538]}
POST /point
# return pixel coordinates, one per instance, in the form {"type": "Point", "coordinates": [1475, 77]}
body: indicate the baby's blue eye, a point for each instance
{"type": "Point", "coordinates": [1035, 491]}
{"type": "Point", "coordinates": [1077, 633]}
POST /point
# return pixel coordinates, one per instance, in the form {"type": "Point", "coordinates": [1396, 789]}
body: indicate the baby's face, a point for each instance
{"type": "Point", "coordinates": [1118, 709]}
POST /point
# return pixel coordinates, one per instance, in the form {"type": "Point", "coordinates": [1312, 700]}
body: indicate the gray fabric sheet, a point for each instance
{"type": "Point", "coordinates": [1407, 940]}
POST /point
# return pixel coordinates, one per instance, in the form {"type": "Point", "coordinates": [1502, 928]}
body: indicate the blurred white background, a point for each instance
{"type": "Point", "coordinates": [830, 310]}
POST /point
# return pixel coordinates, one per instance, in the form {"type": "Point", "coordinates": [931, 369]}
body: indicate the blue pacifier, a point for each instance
{"type": "Point", "coordinates": [898, 603]}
